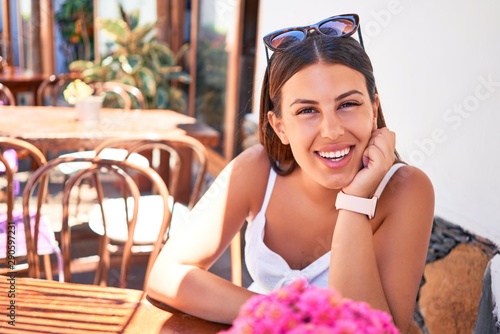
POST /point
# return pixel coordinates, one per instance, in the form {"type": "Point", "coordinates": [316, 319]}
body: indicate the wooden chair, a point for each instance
{"type": "Point", "coordinates": [124, 91]}
{"type": "Point", "coordinates": [111, 226]}
{"type": "Point", "coordinates": [15, 237]}
{"type": "Point", "coordinates": [51, 89]}
{"type": "Point", "coordinates": [117, 170]}
{"type": "Point", "coordinates": [9, 155]}
{"type": "Point", "coordinates": [6, 96]}
{"type": "Point", "coordinates": [181, 150]}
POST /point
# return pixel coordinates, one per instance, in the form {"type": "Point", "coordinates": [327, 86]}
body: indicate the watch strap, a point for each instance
{"type": "Point", "coordinates": [361, 205]}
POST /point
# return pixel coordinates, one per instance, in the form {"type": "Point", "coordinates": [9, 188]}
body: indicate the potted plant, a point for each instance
{"type": "Point", "coordinates": [138, 59]}
{"type": "Point", "coordinates": [75, 19]}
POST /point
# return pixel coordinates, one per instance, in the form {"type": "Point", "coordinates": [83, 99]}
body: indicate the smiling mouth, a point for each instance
{"type": "Point", "coordinates": [335, 155]}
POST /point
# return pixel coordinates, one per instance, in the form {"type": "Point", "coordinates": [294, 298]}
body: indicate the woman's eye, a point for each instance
{"type": "Point", "coordinates": [349, 104]}
{"type": "Point", "coordinates": [306, 111]}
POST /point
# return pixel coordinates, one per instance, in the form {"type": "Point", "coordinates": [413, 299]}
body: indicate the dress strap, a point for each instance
{"type": "Point", "coordinates": [269, 190]}
{"type": "Point", "coordinates": [386, 178]}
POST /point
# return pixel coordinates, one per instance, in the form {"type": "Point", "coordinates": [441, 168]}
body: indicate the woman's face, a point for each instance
{"type": "Point", "coordinates": [327, 118]}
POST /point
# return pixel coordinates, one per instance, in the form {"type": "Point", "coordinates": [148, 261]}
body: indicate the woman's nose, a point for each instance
{"type": "Point", "coordinates": [331, 126]}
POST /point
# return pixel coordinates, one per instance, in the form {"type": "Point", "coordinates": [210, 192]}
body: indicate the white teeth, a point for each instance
{"type": "Point", "coordinates": [336, 154]}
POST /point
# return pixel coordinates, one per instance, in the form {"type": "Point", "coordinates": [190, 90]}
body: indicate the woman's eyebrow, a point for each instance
{"type": "Point", "coordinates": [340, 97]}
{"type": "Point", "coordinates": [303, 101]}
{"type": "Point", "coordinates": [346, 94]}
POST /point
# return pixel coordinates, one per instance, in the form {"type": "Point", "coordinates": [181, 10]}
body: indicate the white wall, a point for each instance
{"type": "Point", "coordinates": [437, 66]}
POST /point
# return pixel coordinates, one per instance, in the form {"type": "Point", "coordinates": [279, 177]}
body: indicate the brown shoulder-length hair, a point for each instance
{"type": "Point", "coordinates": [283, 65]}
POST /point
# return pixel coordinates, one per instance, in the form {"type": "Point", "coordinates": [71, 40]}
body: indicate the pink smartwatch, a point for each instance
{"type": "Point", "coordinates": [366, 206]}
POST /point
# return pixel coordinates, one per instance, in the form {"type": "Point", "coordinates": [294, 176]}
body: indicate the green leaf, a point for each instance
{"type": "Point", "coordinates": [163, 53]}
{"type": "Point", "coordinates": [94, 74]}
{"type": "Point", "coordinates": [125, 78]}
{"type": "Point", "coordinates": [161, 98]}
{"type": "Point", "coordinates": [139, 33]}
{"type": "Point", "coordinates": [107, 61]}
{"type": "Point", "coordinates": [134, 16]}
{"type": "Point", "coordinates": [177, 100]}
{"type": "Point", "coordinates": [148, 82]}
{"type": "Point", "coordinates": [131, 63]}
{"type": "Point", "coordinates": [80, 65]}
{"type": "Point", "coordinates": [115, 29]}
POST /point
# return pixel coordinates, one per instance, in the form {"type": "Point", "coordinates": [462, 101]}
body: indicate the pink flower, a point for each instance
{"type": "Point", "coordinates": [303, 309]}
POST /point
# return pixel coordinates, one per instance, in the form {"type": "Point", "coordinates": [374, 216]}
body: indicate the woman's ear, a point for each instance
{"type": "Point", "coordinates": [278, 127]}
{"type": "Point", "coordinates": [376, 105]}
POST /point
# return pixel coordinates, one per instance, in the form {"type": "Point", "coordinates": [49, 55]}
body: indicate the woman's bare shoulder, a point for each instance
{"type": "Point", "coordinates": [249, 175]}
{"type": "Point", "coordinates": [408, 189]}
{"type": "Point", "coordinates": [409, 192]}
{"type": "Point", "coordinates": [412, 181]}
{"type": "Point", "coordinates": [255, 153]}
{"type": "Point", "coordinates": [254, 159]}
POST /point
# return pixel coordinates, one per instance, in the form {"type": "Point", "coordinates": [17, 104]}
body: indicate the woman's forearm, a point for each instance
{"type": "Point", "coordinates": [197, 292]}
{"type": "Point", "coordinates": [353, 265]}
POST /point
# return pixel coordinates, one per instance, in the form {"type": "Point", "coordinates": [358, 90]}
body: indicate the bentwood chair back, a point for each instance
{"type": "Point", "coordinates": [10, 155]}
{"type": "Point", "coordinates": [17, 240]}
{"type": "Point", "coordinates": [124, 92]}
{"type": "Point", "coordinates": [6, 96]}
{"type": "Point", "coordinates": [50, 91]}
{"type": "Point", "coordinates": [180, 151]}
{"type": "Point", "coordinates": [117, 172]}
{"type": "Point", "coordinates": [169, 155]}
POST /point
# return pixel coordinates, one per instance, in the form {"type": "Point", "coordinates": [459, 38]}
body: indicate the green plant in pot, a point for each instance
{"type": "Point", "coordinates": [138, 59]}
{"type": "Point", "coordinates": [75, 19]}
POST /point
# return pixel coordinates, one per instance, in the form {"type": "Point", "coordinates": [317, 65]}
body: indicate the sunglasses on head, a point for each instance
{"type": "Point", "coordinates": [335, 26]}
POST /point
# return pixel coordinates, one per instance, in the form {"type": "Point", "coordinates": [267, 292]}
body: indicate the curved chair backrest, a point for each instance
{"type": "Point", "coordinates": [39, 159]}
{"type": "Point", "coordinates": [124, 91]}
{"type": "Point", "coordinates": [181, 149]}
{"type": "Point", "coordinates": [7, 94]}
{"type": "Point", "coordinates": [53, 86]}
{"type": "Point", "coordinates": [93, 167]}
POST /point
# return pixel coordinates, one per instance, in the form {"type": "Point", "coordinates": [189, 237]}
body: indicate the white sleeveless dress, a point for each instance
{"type": "Point", "coordinates": [268, 270]}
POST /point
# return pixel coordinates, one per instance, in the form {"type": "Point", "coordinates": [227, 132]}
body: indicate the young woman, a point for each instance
{"type": "Point", "coordinates": [325, 195]}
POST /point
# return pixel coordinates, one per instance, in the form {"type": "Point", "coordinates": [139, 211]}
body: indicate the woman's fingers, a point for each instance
{"type": "Point", "coordinates": [381, 147]}
{"type": "Point", "coordinates": [378, 157]}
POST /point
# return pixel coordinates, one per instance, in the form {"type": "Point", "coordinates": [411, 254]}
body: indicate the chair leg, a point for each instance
{"type": "Point", "coordinates": [101, 275]}
{"type": "Point", "coordinates": [48, 267]}
{"type": "Point", "coordinates": [78, 197]}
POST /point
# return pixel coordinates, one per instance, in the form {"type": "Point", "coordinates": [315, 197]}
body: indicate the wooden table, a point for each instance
{"type": "Point", "coordinates": [19, 80]}
{"type": "Point", "coordinates": [56, 128]}
{"type": "Point", "coordinates": [41, 306]}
